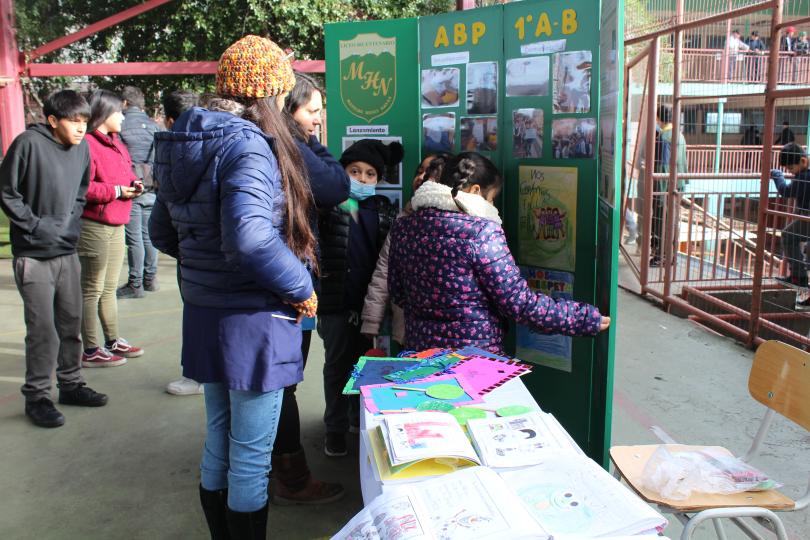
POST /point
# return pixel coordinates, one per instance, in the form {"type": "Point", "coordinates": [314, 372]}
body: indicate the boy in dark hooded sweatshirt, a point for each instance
{"type": "Point", "coordinates": [43, 182]}
{"type": "Point", "coordinates": [793, 158]}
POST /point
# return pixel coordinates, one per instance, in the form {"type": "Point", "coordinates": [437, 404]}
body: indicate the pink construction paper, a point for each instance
{"type": "Point", "coordinates": [485, 374]}
{"type": "Point", "coordinates": [381, 397]}
{"type": "Point", "coordinates": [400, 394]}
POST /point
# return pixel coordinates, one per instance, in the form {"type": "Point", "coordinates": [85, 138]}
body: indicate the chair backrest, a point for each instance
{"type": "Point", "coordinates": [780, 380]}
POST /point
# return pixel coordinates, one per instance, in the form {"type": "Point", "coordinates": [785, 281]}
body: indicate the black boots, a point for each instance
{"type": "Point", "coordinates": [248, 525]}
{"type": "Point", "coordinates": [225, 524]}
{"type": "Point", "coordinates": [215, 506]}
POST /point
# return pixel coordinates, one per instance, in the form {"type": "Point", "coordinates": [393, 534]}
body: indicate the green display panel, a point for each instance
{"type": "Point", "coordinates": [535, 86]}
{"type": "Point", "coordinates": [611, 73]}
{"type": "Point", "coordinates": [461, 82]}
{"type": "Point", "coordinates": [373, 92]}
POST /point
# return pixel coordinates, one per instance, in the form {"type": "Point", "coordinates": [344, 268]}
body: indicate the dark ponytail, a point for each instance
{"type": "Point", "coordinates": [469, 169]}
{"type": "Point", "coordinates": [434, 169]}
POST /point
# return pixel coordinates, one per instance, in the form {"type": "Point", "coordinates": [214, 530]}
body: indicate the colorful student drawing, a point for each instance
{"type": "Point", "coordinates": [382, 397]}
{"type": "Point", "coordinates": [553, 351]}
{"type": "Point", "coordinates": [397, 519]}
{"type": "Point", "coordinates": [547, 217]}
{"type": "Point", "coordinates": [372, 370]}
{"type": "Point", "coordinates": [435, 365]}
{"type": "Point", "coordinates": [486, 374]}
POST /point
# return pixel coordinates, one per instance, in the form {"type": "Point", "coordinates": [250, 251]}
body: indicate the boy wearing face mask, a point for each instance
{"type": "Point", "coordinates": [352, 235]}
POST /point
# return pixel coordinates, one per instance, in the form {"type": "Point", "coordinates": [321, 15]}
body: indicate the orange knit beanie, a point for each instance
{"type": "Point", "coordinates": [254, 67]}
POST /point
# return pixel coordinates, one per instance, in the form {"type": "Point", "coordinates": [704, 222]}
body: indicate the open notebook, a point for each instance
{"type": "Point", "coordinates": [420, 444]}
{"type": "Point", "coordinates": [465, 505]}
{"type": "Point", "coordinates": [474, 503]}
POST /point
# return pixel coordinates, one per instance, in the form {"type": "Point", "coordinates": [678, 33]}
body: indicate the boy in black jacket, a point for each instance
{"type": "Point", "coordinates": [43, 181]}
{"type": "Point", "coordinates": [793, 158]}
{"type": "Point", "coordinates": [351, 237]}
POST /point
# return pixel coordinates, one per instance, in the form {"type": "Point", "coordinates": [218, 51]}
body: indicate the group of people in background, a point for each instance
{"type": "Point", "coordinates": [269, 231]}
{"type": "Point", "coordinates": [791, 44]}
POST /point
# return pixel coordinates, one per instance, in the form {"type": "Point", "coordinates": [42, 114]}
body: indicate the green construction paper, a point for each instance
{"type": "Point", "coordinates": [463, 414]}
{"type": "Point", "coordinates": [434, 405]}
{"type": "Point", "coordinates": [513, 410]}
{"type": "Point", "coordinates": [444, 391]}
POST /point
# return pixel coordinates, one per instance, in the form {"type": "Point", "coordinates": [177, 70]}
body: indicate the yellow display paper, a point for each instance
{"type": "Point", "coordinates": [548, 217]}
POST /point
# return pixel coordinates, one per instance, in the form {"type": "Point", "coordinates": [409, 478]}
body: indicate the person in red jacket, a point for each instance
{"type": "Point", "coordinates": [101, 246]}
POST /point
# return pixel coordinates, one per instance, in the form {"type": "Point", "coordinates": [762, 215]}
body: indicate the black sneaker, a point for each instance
{"type": "Point", "coordinates": [335, 445]}
{"type": "Point", "coordinates": [804, 304]}
{"type": "Point", "coordinates": [151, 285]}
{"type": "Point", "coordinates": [655, 261]}
{"type": "Point", "coordinates": [82, 396]}
{"type": "Point", "coordinates": [130, 291]}
{"type": "Point", "coordinates": [42, 413]}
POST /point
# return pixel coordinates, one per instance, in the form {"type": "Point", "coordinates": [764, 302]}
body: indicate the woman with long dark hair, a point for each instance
{"type": "Point", "coordinates": [293, 482]}
{"type": "Point", "coordinates": [233, 207]}
{"type": "Point", "coordinates": [101, 246]}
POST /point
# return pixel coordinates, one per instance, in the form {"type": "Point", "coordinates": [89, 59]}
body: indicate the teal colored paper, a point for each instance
{"type": "Point", "coordinates": [384, 398]}
{"type": "Point", "coordinates": [372, 369]}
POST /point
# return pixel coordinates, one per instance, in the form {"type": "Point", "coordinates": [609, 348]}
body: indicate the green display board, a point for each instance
{"type": "Point", "coordinates": [534, 86]}
{"type": "Point", "coordinates": [372, 92]}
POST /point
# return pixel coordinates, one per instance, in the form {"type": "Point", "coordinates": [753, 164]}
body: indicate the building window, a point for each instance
{"type": "Point", "coordinates": [731, 122]}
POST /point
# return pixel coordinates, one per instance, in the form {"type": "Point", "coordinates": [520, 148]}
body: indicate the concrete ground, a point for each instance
{"type": "Point", "coordinates": [130, 470]}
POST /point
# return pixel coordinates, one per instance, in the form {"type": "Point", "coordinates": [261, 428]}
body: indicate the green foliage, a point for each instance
{"type": "Point", "coordinates": [193, 30]}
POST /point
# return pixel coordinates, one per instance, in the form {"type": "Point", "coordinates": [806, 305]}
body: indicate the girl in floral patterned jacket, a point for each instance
{"type": "Point", "coordinates": [452, 272]}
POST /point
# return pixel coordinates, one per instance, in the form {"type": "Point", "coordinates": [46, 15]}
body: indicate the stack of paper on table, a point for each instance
{"type": "Point", "coordinates": [465, 505]}
{"type": "Point", "coordinates": [518, 441]}
{"type": "Point", "coordinates": [570, 495]}
{"type": "Point", "coordinates": [416, 445]}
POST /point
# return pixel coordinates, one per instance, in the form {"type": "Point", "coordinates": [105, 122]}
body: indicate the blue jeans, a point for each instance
{"type": "Point", "coordinates": [141, 254]}
{"type": "Point", "coordinates": [241, 430]}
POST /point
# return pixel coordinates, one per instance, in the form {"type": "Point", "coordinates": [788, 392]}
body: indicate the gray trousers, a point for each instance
{"type": "Point", "coordinates": [52, 302]}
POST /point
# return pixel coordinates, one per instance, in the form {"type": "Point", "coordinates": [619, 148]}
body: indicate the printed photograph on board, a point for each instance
{"type": "Point", "coordinates": [527, 76]}
{"type": "Point", "coordinates": [392, 176]}
{"type": "Point", "coordinates": [527, 137]}
{"type": "Point", "coordinates": [393, 195]}
{"type": "Point", "coordinates": [572, 82]}
{"type": "Point", "coordinates": [439, 132]}
{"type": "Point", "coordinates": [607, 153]}
{"type": "Point", "coordinates": [553, 351]}
{"type": "Point", "coordinates": [479, 134]}
{"type": "Point", "coordinates": [547, 217]}
{"type": "Point", "coordinates": [573, 138]}
{"type": "Point", "coordinates": [440, 87]}
{"type": "Point", "coordinates": [482, 88]}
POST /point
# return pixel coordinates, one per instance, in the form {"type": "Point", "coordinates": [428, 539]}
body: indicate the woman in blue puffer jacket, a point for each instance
{"type": "Point", "coordinates": [451, 270]}
{"type": "Point", "coordinates": [233, 209]}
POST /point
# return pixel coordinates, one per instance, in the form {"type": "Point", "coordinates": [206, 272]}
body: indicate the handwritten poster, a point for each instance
{"type": "Point", "coordinates": [547, 217]}
{"type": "Point", "coordinates": [553, 351]}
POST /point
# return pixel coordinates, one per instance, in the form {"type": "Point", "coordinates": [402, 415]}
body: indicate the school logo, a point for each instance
{"type": "Point", "coordinates": [368, 71]}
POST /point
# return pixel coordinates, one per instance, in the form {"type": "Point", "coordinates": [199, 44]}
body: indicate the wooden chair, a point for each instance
{"type": "Point", "coordinates": [780, 380]}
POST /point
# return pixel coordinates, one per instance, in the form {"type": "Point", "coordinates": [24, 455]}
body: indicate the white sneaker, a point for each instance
{"type": "Point", "coordinates": [184, 387]}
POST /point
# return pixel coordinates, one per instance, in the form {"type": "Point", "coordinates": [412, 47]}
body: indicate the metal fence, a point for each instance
{"type": "Point", "coordinates": [709, 233]}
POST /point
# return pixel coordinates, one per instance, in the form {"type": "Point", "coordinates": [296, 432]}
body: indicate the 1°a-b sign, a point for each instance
{"type": "Point", "coordinates": [368, 75]}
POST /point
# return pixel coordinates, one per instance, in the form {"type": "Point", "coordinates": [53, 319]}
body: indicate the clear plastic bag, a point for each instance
{"type": "Point", "coordinates": [676, 474]}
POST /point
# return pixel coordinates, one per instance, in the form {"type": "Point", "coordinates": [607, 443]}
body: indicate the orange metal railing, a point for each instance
{"type": "Point", "coordinates": [717, 65]}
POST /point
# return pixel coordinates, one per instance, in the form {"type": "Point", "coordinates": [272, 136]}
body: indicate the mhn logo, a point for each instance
{"type": "Point", "coordinates": [368, 70]}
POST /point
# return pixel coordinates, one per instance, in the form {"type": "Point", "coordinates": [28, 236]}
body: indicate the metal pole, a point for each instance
{"type": "Point", "coordinates": [718, 140]}
{"type": "Point", "coordinates": [649, 161]}
{"type": "Point", "coordinates": [12, 111]}
{"type": "Point", "coordinates": [673, 214]}
{"type": "Point", "coordinates": [767, 149]}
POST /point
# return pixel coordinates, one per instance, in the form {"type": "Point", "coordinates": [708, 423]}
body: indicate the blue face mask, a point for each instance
{"type": "Point", "coordinates": [360, 191]}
